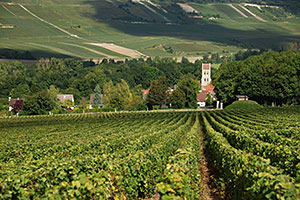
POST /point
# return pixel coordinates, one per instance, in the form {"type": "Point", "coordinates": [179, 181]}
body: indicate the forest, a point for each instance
{"type": "Point", "coordinates": [271, 77]}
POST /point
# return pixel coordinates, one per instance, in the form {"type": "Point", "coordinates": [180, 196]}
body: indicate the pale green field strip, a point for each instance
{"type": "Point", "coordinates": [24, 25]}
{"type": "Point", "coordinates": [205, 9]}
{"type": "Point", "coordinates": [88, 49]}
{"type": "Point", "coordinates": [242, 10]}
{"type": "Point", "coordinates": [62, 30]}
{"type": "Point", "coordinates": [238, 11]}
{"type": "Point", "coordinates": [251, 13]}
{"type": "Point", "coordinates": [228, 11]}
{"type": "Point", "coordinates": [159, 11]}
{"type": "Point", "coordinates": [55, 49]}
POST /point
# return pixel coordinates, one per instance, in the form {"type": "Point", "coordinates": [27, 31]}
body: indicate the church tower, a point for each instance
{"type": "Point", "coordinates": [206, 75]}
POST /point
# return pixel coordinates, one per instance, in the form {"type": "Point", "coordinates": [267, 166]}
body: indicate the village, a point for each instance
{"type": "Point", "coordinates": [205, 98]}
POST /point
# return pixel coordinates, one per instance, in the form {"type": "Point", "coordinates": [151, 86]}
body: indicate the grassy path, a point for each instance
{"type": "Point", "coordinates": [206, 192]}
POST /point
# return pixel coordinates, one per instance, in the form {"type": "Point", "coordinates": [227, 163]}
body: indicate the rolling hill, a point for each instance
{"type": "Point", "coordinates": [129, 29]}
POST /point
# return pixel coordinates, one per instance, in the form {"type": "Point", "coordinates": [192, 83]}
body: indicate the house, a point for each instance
{"type": "Point", "coordinates": [64, 97]}
{"type": "Point", "coordinates": [241, 97]}
{"type": "Point", "coordinates": [92, 97]}
{"type": "Point", "coordinates": [201, 97]}
{"type": "Point", "coordinates": [145, 93]}
{"type": "Point", "coordinates": [15, 104]}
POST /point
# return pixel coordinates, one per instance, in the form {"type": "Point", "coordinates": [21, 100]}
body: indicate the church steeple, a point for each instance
{"type": "Point", "coordinates": [206, 75]}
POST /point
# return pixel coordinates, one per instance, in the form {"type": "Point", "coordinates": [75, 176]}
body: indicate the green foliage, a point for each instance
{"type": "Point", "coordinates": [158, 93]}
{"type": "Point", "coordinates": [97, 99]}
{"type": "Point", "coordinates": [254, 151]}
{"type": "Point", "coordinates": [270, 77]}
{"type": "Point", "coordinates": [189, 87]}
{"type": "Point", "coordinates": [177, 99]}
{"type": "Point", "coordinates": [119, 96]}
{"type": "Point", "coordinates": [40, 103]}
{"type": "Point", "coordinates": [251, 168]}
{"type": "Point", "coordinates": [67, 104]}
{"type": "Point", "coordinates": [245, 104]}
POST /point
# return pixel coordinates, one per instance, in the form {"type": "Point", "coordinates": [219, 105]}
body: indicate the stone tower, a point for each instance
{"type": "Point", "coordinates": [206, 75]}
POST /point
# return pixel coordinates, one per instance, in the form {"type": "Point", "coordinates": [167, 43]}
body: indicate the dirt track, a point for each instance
{"type": "Point", "coordinates": [118, 49]}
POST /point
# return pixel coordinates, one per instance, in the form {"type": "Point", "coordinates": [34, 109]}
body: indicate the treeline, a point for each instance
{"type": "Point", "coordinates": [292, 6]}
{"type": "Point", "coordinates": [269, 78]}
{"type": "Point", "coordinates": [71, 76]}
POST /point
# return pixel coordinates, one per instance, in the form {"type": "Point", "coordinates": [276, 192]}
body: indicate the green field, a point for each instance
{"type": "Point", "coordinates": [136, 155]}
{"type": "Point", "coordinates": [50, 30]}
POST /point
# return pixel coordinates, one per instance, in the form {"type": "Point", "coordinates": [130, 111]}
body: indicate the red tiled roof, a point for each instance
{"type": "Point", "coordinates": [12, 102]}
{"type": "Point", "coordinates": [205, 66]}
{"type": "Point", "coordinates": [201, 96]}
{"type": "Point", "coordinates": [145, 92]}
{"type": "Point", "coordinates": [209, 88]}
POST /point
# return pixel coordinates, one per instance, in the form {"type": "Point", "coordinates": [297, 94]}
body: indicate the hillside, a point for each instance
{"type": "Point", "coordinates": [130, 29]}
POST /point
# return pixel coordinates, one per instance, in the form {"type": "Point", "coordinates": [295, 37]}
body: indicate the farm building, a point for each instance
{"type": "Point", "coordinates": [64, 97]}
{"type": "Point", "coordinates": [241, 97]}
{"type": "Point", "coordinates": [15, 104]}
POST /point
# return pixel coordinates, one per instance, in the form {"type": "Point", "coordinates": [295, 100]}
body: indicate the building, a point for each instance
{"type": "Point", "coordinates": [241, 97]}
{"type": "Point", "coordinates": [92, 97]}
{"type": "Point", "coordinates": [201, 97]}
{"type": "Point", "coordinates": [145, 93]}
{"type": "Point", "coordinates": [64, 97]}
{"type": "Point", "coordinates": [206, 74]}
{"type": "Point", "coordinates": [15, 104]}
{"type": "Point", "coordinates": [205, 86]}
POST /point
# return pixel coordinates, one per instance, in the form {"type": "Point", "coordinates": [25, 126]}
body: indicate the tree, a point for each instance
{"type": "Point", "coordinates": [209, 100]}
{"type": "Point", "coordinates": [83, 103]}
{"type": "Point", "coordinates": [117, 96]}
{"type": "Point", "coordinates": [67, 104]}
{"type": "Point", "coordinates": [97, 99]}
{"type": "Point", "coordinates": [22, 90]}
{"type": "Point", "coordinates": [177, 99]}
{"type": "Point", "coordinates": [124, 93]}
{"type": "Point", "coordinates": [158, 94]}
{"type": "Point", "coordinates": [40, 103]}
{"type": "Point", "coordinates": [189, 87]}
{"type": "Point", "coordinates": [271, 77]}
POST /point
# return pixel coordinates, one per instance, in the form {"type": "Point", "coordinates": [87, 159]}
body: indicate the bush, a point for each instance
{"type": "Point", "coordinates": [59, 111]}
{"type": "Point", "coordinates": [246, 104]}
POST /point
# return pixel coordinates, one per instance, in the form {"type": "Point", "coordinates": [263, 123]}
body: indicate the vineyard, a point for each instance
{"type": "Point", "coordinates": [143, 155]}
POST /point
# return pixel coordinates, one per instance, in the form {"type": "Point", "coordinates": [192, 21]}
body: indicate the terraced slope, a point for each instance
{"type": "Point", "coordinates": [64, 28]}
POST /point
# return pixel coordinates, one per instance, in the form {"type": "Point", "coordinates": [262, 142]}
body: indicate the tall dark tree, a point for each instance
{"type": "Point", "coordinates": [158, 93]}
{"type": "Point", "coordinates": [97, 99]}
{"type": "Point", "coordinates": [189, 87]}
